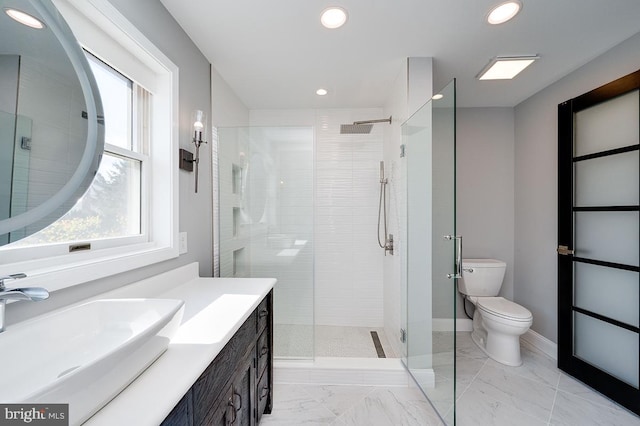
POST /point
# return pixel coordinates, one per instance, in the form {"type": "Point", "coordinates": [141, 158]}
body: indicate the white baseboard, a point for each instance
{"type": "Point", "coordinates": [541, 343]}
{"type": "Point", "coordinates": [446, 324]}
{"type": "Point", "coordinates": [342, 371]}
{"type": "Point", "coordinates": [425, 377]}
{"type": "Point", "coordinates": [531, 337]}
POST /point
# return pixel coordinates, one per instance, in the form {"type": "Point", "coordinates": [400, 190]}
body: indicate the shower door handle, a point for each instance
{"type": "Point", "coordinates": [458, 256]}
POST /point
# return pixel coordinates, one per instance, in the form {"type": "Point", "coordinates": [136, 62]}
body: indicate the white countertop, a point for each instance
{"type": "Point", "coordinates": [215, 308]}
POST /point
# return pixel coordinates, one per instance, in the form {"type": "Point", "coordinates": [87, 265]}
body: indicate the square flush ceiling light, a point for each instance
{"type": "Point", "coordinates": [505, 67]}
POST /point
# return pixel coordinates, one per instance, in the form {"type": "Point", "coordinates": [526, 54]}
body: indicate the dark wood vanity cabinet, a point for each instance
{"type": "Point", "coordinates": [237, 387]}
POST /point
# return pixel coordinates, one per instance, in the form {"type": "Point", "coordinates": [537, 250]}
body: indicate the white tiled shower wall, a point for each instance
{"type": "Point", "coordinates": [348, 267]}
{"type": "Point", "coordinates": [349, 262]}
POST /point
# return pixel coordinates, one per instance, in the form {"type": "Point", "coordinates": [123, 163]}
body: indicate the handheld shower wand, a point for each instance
{"type": "Point", "coordinates": [382, 211]}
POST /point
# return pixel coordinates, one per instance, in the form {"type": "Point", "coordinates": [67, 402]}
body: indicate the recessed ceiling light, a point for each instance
{"type": "Point", "coordinates": [503, 12]}
{"type": "Point", "coordinates": [333, 17]}
{"type": "Point", "coordinates": [505, 67]}
{"type": "Point", "coordinates": [321, 92]}
{"type": "Point", "coordinates": [24, 18]}
{"type": "Point", "coordinates": [437, 96]}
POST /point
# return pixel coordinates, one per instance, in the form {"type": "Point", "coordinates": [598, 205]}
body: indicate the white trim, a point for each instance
{"type": "Point", "coordinates": [541, 343]}
{"type": "Point", "coordinates": [55, 273]}
{"type": "Point", "coordinates": [425, 378]}
{"type": "Point", "coordinates": [104, 31]}
{"type": "Point", "coordinates": [342, 371]}
{"type": "Point", "coordinates": [446, 324]}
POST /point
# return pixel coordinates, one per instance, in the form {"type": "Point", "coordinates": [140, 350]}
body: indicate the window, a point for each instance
{"type": "Point", "coordinates": [129, 215]}
{"type": "Point", "coordinates": [112, 207]}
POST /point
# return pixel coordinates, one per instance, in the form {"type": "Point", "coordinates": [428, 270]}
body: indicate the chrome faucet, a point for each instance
{"type": "Point", "coordinates": [26, 293]}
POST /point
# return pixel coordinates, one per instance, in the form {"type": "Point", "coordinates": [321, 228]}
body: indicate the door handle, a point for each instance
{"type": "Point", "coordinates": [564, 250]}
{"type": "Point", "coordinates": [458, 261]}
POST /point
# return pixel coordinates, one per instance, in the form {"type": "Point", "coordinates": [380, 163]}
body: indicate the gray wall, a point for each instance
{"type": "Point", "coordinates": [485, 188]}
{"type": "Point", "coordinates": [152, 19]}
{"type": "Point", "coordinates": [536, 180]}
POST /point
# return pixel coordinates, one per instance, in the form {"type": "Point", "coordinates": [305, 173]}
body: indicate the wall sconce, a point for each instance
{"type": "Point", "coordinates": [186, 158]}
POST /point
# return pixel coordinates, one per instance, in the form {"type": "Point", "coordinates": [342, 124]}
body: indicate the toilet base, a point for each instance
{"type": "Point", "coordinates": [501, 347]}
{"type": "Point", "coordinates": [497, 351]}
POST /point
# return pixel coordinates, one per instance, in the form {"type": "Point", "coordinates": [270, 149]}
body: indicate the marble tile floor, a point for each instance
{"type": "Point", "coordinates": [296, 341]}
{"type": "Point", "coordinates": [489, 394]}
{"type": "Point", "coordinates": [310, 405]}
{"type": "Point", "coordinates": [536, 393]}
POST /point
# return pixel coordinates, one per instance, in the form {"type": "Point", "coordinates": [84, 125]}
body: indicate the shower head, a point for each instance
{"type": "Point", "coordinates": [355, 129]}
{"type": "Point", "coordinates": [361, 127]}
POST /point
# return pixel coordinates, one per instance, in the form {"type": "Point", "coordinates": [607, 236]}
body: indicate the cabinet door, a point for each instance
{"type": "Point", "coordinates": [224, 414]}
{"type": "Point", "coordinates": [244, 392]}
{"type": "Point", "coordinates": [264, 393]}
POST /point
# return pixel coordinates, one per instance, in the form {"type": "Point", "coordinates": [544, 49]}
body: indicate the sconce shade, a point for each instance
{"type": "Point", "coordinates": [199, 120]}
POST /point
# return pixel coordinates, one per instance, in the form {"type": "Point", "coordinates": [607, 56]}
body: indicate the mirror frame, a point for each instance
{"type": "Point", "coordinates": [90, 161]}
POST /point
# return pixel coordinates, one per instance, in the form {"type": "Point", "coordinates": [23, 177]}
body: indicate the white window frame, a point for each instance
{"type": "Point", "coordinates": [103, 31]}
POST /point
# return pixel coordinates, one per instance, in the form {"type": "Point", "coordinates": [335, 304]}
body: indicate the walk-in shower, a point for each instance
{"type": "Point", "coordinates": [302, 204]}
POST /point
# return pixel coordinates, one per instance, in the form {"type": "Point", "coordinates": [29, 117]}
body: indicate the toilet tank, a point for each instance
{"type": "Point", "coordinates": [486, 278]}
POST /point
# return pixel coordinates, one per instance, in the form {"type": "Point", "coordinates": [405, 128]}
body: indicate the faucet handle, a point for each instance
{"type": "Point", "coordinates": [11, 277]}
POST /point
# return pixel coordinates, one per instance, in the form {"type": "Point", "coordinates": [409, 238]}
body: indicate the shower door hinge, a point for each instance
{"type": "Point", "coordinates": [403, 335]}
{"type": "Point", "coordinates": [25, 143]}
{"type": "Point", "coordinates": [402, 151]}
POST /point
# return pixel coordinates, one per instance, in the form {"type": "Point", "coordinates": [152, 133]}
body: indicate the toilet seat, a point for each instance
{"type": "Point", "coordinates": [503, 308]}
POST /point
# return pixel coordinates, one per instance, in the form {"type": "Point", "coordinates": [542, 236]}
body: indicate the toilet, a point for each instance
{"type": "Point", "coordinates": [498, 323]}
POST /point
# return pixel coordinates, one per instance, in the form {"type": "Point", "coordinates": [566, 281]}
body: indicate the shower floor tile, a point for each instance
{"type": "Point", "coordinates": [297, 342]}
{"type": "Point", "coordinates": [334, 341]}
{"type": "Point", "coordinates": [293, 341]}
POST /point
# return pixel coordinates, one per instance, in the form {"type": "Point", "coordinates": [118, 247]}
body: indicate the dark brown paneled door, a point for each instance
{"type": "Point", "coordinates": [598, 227]}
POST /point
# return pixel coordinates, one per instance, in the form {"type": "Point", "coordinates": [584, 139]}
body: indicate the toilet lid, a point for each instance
{"type": "Point", "coordinates": [504, 308]}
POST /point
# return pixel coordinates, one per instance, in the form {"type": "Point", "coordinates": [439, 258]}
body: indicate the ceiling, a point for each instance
{"type": "Point", "coordinates": [275, 54]}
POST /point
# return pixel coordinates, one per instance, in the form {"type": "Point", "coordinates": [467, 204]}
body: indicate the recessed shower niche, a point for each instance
{"type": "Point", "coordinates": [237, 217]}
{"type": "Point", "coordinates": [236, 179]}
{"type": "Point", "coordinates": [239, 263]}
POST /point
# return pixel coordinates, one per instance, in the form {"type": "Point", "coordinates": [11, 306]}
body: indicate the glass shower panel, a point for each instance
{"type": "Point", "coordinates": [266, 223]}
{"type": "Point", "coordinates": [429, 138]}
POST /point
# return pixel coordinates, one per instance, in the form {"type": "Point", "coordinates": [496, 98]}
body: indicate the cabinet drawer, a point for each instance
{"type": "Point", "coordinates": [263, 352]}
{"type": "Point", "coordinates": [264, 392]}
{"type": "Point", "coordinates": [263, 315]}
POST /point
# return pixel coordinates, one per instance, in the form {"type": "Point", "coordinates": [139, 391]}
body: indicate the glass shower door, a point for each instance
{"type": "Point", "coordinates": [265, 223]}
{"type": "Point", "coordinates": [429, 138]}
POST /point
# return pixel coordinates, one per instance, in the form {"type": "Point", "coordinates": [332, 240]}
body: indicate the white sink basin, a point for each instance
{"type": "Point", "coordinates": [86, 354]}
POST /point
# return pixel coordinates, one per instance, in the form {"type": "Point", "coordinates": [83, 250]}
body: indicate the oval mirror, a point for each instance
{"type": "Point", "coordinates": [51, 122]}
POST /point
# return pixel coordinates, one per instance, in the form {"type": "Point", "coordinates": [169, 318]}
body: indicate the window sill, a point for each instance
{"type": "Point", "coordinates": [79, 268]}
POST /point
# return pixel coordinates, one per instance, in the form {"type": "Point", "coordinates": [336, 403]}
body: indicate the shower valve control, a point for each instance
{"type": "Point", "coordinates": [388, 245]}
